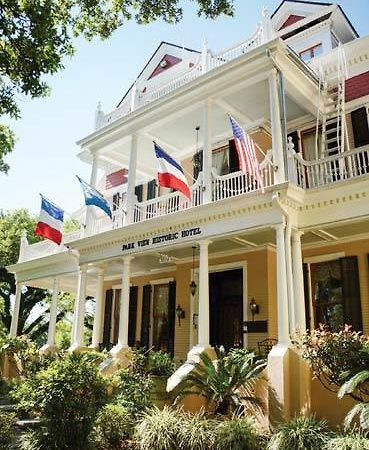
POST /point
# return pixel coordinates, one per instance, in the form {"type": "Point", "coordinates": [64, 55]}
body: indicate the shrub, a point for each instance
{"type": "Point", "coordinates": [159, 429]}
{"type": "Point", "coordinates": [336, 357]}
{"type": "Point", "coordinates": [6, 429]}
{"type": "Point", "coordinates": [160, 364]}
{"type": "Point", "coordinates": [196, 432]}
{"type": "Point", "coordinates": [113, 428]}
{"type": "Point", "coordinates": [300, 433]}
{"type": "Point", "coordinates": [354, 441]}
{"type": "Point", "coordinates": [68, 394]}
{"type": "Point", "coordinates": [133, 391]}
{"type": "Point", "coordinates": [236, 434]}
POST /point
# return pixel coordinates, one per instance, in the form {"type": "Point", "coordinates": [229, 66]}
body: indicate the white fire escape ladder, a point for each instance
{"type": "Point", "coordinates": [334, 127]}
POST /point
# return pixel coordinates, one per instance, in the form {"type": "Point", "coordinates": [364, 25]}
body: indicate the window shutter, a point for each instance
{"type": "Point", "coordinates": [145, 320]}
{"type": "Point", "coordinates": [305, 270]}
{"type": "Point", "coordinates": [171, 316]}
{"type": "Point", "coordinates": [197, 164]}
{"type": "Point", "coordinates": [138, 192]}
{"type": "Point", "coordinates": [360, 128]}
{"type": "Point", "coordinates": [234, 164]}
{"type": "Point", "coordinates": [107, 318]}
{"type": "Point", "coordinates": [351, 292]}
{"type": "Point", "coordinates": [151, 189]}
{"type": "Point", "coordinates": [133, 292]}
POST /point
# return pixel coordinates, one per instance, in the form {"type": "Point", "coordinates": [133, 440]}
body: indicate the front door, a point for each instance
{"type": "Point", "coordinates": [226, 308]}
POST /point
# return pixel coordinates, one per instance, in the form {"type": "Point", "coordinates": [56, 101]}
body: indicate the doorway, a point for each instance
{"type": "Point", "coordinates": [226, 308]}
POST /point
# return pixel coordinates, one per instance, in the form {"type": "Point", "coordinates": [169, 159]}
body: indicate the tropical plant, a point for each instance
{"type": "Point", "coordinates": [67, 394]}
{"type": "Point", "coordinates": [300, 433]}
{"type": "Point", "coordinates": [358, 383]}
{"type": "Point", "coordinates": [352, 441]}
{"type": "Point", "coordinates": [159, 429]}
{"type": "Point", "coordinates": [160, 364]}
{"type": "Point", "coordinates": [197, 432]}
{"type": "Point", "coordinates": [133, 391]}
{"type": "Point", "coordinates": [6, 429]}
{"type": "Point", "coordinates": [226, 383]}
{"type": "Point", "coordinates": [236, 434]}
{"type": "Point", "coordinates": [113, 428]}
{"type": "Point", "coordinates": [336, 357]}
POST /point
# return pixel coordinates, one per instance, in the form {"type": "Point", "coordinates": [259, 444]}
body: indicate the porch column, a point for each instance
{"type": "Point", "coordinates": [131, 183]}
{"type": "Point", "coordinates": [15, 315]}
{"type": "Point", "coordinates": [290, 280]}
{"type": "Point", "coordinates": [204, 310]}
{"type": "Point", "coordinates": [277, 136]}
{"type": "Point", "coordinates": [93, 176]}
{"type": "Point", "coordinates": [207, 154]}
{"type": "Point", "coordinates": [50, 346]}
{"type": "Point", "coordinates": [282, 294]}
{"type": "Point", "coordinates": [122, 345]}
{"type": "Point", "coordinates": [298, 276]}
{"type": "Point", "coordinates": [79, 316]}
{"type": "Point", "coordinates": [99, 311]}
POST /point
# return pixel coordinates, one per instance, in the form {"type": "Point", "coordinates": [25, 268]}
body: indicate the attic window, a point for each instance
{"type": "Point", "coordinates": [293, 18]}
{"type": "Point", "coordinates": [166, 63]}
{"type": "Point", "coordinates": [311, 52]}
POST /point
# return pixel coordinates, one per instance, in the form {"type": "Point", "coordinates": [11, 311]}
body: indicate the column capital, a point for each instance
{"type": "Point", "coordinates": [127, 259]}
{"type": "Point", "coordinates": [99, 269]}
{"type": "Point", "coordinates": [82, 268]}
{"type": "Point", "coordinates": [204, 243]}
{"type": "Point", "coordinates": [279, 226]}
{"type": "Point", "coordinates": [297, 234]}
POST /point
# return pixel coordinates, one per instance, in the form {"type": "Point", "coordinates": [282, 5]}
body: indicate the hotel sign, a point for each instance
{"type": "Point", "coordinates": [162, 239]}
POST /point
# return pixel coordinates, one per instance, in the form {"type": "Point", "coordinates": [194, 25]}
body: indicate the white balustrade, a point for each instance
{"type": "Point", "coordinates": [212, 61]}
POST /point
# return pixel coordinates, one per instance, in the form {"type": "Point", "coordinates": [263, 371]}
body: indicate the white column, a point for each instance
{"type": "Point", "coordinates": [80, 307]}
{"type": "Point", "coordinates": [15, 315]}
{"type": "Point", "coordinates": [298, 277]}
{"type": "Point", "coordinates": [124, 304]}
{"type": "Point", "coordinates": [277, 135]}
{"type": "Point", "coordinates": [93, 176]}
{"type": "Point", "coordinates": [131, 183]}
{"type": "Point", "coordinates": [290, 280]}
{"type": "Point", "coordinates": [282, 296]}
{"type": "Point", "coordinates": [204, 310]}
{"type": "Point", "coordinates": [53, 314]}
{"type": "Point", "coordinates": [207, 154]}
{"type": "Point", "coordinates": [99, 311]}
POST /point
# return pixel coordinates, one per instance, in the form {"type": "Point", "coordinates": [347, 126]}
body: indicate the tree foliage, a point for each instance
{"type": "Point", "coordinates": [36, 35]}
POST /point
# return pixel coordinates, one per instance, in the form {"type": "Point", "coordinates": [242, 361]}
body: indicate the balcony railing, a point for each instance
{"type": "Point", "coordinates": [343, 166]}
{"type": "Point", "coordinates": [206, 62]}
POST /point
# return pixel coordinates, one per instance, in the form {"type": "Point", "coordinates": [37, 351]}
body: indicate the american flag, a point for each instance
{"type": "Point", "coordinates": [116, 178]}
{"type": "Point", "coordinates": [246, 150]}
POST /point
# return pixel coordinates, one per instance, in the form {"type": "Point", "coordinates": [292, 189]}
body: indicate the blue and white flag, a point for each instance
{"type": "Point", "coordinates": [93, 197]}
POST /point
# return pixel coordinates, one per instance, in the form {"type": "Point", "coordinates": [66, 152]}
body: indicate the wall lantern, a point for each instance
{"type": "Point", "coordinates": [193, 285]}
{"type": "Point", "coordinates": [180, 313]}
{"type": "Point", "coordinates": [195, 320]}
{"type": "Point", "coordinates": [254, 308]}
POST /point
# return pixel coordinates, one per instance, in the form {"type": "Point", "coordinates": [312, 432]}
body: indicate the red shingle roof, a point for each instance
{"type": "Point", "coordinates": [357, 87]}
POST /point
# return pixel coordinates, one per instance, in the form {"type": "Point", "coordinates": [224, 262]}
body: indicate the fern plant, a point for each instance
{"type": "Point", "coordinates": [226, 382]}
{"type": "Point", "coordinates": [353, 441]}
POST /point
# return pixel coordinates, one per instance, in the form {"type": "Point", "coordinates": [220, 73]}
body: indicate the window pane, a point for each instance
{"type": "Point", "coordinates": [318, 50]}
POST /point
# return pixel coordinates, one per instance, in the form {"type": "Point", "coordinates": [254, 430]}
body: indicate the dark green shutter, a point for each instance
{"type": "Point", "coordinates": [197, 164]}
{"type": "Point", "coordinates": [133, 293]}
{"type": "Point", "coordinates": [351, 292]}
{"type": "Point", "coordinates": [305, 269]}
{"type": "Point", "coordinates": [151, 189]}
{"type": "Point", "coordinates": [145, 318]}
{"type": "Point", "coordinates": [138, 192]}
{"type": "Point", "coordinates": [234, 163]}
{"type": "Point", "coordinates": [171, 316]}
{"type": "Point", "coordinates": [107, 318]}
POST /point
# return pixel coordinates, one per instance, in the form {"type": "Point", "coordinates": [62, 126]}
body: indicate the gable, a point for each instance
{"type": "Point", "coordinates": [166, 63]}
{"type": "Point", "coordinates": [292, 18]}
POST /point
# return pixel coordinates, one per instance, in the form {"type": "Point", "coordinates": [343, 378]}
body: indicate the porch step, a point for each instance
{"type": "Point", "coordinates": [27, 424]}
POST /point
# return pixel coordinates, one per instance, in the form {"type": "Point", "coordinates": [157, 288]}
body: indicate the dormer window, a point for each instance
{"type": "Point", "coordinates": [311, 52]}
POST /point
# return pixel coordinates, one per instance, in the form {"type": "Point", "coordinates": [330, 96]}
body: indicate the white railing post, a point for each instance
{"type": "Point", "coordinates": [292, 172]}
{"type": "Point", "coordinates": [133, 96]}
{"type": "Point", "coordinates": [99, 117]}
{"type": "Point", "coordinates": [204, 57]}
{"type": "Point", "coordinates": [267, 30]}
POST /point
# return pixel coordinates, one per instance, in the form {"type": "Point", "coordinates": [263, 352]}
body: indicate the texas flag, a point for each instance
{"type": "Point", "coordinates": [170, 173]}
{"type": "Point", "coordinates": [50, 222]}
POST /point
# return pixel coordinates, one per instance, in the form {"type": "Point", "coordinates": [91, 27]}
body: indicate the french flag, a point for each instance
{"type": "Point", "coordinates": [170, 173]}
{"type": "Point", "coordinates": [50, 222]}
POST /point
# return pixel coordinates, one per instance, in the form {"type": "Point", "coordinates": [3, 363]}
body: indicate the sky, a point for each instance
{"type": "Point", "coordinates": [44, 159]}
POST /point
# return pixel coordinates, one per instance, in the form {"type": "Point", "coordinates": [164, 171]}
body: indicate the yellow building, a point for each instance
{"type": "Point", "coordinates": [236, 264]}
